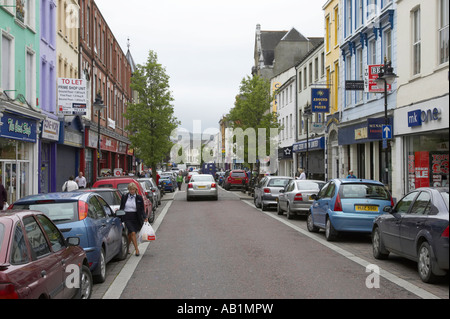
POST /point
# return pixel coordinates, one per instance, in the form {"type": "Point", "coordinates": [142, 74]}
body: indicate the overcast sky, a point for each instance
{"type": "Point", "coordinates": [206, 46]}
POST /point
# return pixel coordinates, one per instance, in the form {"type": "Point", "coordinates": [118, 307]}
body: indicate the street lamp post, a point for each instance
{"type": "Point", "coordinates": [385, 77]}
{"type": "Point", "coordinates": [98, 106]}
{"type": "Point", "coordinates": [307, 114]}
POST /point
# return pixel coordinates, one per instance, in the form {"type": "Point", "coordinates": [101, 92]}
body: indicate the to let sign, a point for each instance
{"type": "Point", "coordinates": [370, 79]}
{"type": "Point", "coordinates": [72, 96]}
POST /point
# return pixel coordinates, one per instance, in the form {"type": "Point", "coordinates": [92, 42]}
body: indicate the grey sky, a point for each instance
{"type": "Point", "coordinates": [206, 46]}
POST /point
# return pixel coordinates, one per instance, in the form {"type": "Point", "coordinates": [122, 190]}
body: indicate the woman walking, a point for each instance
{"type": "Point", "coordinates": [133, 205]}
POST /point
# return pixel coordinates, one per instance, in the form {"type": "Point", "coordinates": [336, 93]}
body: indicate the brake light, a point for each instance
{"type": "Point", "coordinates": [392, 202]}
{"type": "Point", "coordinates": [83, 209]}
{"type": "Point", "coordinates": [267, 190]}
{"type": "Point", "coordinates": [190, 185]}
{"type": "Point", "coordinates": [445, 233]}
{"type": "Point", "coordinates": [11, 206]}
{"type": "Point", "coordinates": [213, 185]}
{"type": "Point", "coordinates": [8, 291]}
{"type": "Point", "coordinates": [298, 197]}
{"type": "Point", "coordinates": [338, 204]}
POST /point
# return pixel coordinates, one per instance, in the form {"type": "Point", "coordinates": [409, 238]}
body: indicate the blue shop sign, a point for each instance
{"type": "Point", "coordinates": [314, 145]}
{"type": "Point", "coordinates": [320, 100]}
{"type": "Point", "coordinates": [18, 128]}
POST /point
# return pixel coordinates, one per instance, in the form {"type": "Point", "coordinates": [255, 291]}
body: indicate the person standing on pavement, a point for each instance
{"type": "Point", "coordinates": [3, 196]}
{"type": "Point", "coordinates": [70, 185]}
{"type": "Point", "coordinates": [81, 180]}
{"type": "Point", "coordinates": [179, 180]}
{"type": "Point", "coordinates": [133, 205]}
{"type": "Point", "coordinates": [350, 174]}
{"type": "Point", "coordinates": [302, 175]}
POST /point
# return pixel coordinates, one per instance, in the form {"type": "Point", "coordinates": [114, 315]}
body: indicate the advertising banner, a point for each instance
{"type": "Point", "coordinates": [422, 169]}
{"type": "Point", "coordinates": [370, 79]}
{"type": "Point", "coordinates": [72, 96]}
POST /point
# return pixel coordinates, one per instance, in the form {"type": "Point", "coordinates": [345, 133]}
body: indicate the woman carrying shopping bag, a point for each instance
{"type": "Point", "coordinates": [133, 205]}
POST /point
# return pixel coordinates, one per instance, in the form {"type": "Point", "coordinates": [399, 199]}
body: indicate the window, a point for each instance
{"type": "Point", "coordinates": [348, 76]}
{"type": "Point", "coordinates": [310, 73]}
{"type": "Point", "coordinates": [359, 72]}
{"type": "Point", "coordinates": [372, 52]}
{"type": "Point", "coordinates": [359, 13]}
{"type": "Point", "coordinates": [38, 242]}
{"type": "Point", "coordinates": [7, 65]}
{"type": "Point", "coordinates": [416, 41]}
{"type": "Point", "coordinates": [19, 251]}
{"type": "Point", "coordinates": [422, 204]}
{"type": "Point", "coordinates": [388, 45]}
{"type": "Point", "coordinates": [348, 24]}
{"type": "Point", "coordinates": [405, 203]}
{"type": "Point", "coordinates": [443, 31]}
{"type": "Point", "coordinates": [30, 77]}
{"type": "Point", "coordinates": [336, 25]}
{"type": "Point", "coordinates": [56, 239]}
{"type": "Point", "coordinates": [328, 31]}
{"type": "Point", "coordinates": [316, 69]}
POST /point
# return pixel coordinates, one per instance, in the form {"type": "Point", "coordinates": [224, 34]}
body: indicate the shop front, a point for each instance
{"type": "Point", "coordinates": [18, 154]}
{"type": "Point", "coordinates": [50, 129]}
{"type": "Point", "coordinates": [286, 162]}
{"type": "Point", "coordinates": [423, 136]}
{"type": "Point", "coordinates": [311, 157]}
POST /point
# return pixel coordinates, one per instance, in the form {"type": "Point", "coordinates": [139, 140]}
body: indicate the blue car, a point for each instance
{"type": "Point", "coordinates": [348, 205]}
{"type": "Point", "coordinates": [85, 215]}
{"type": "Point", "coordinates": [168, 183]}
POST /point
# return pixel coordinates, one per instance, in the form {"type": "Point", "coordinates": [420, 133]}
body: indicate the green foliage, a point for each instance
{"type": "Point", "coordinates": [151, 115]}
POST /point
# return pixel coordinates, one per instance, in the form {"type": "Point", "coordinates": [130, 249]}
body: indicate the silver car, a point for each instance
{"type": "Point", "coordinates": [296, 197]}
{"type": "Point", "coordinates": [268, 190]}
{"type": "Point", "coordinates": [152, 185]}
{"type": "Point", "coordinates": [202, 185]}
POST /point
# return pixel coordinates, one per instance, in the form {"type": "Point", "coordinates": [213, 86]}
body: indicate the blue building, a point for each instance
{"type": "Point", "coordinates": [368, 37]}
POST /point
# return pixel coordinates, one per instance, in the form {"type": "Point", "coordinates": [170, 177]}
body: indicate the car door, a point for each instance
{"type": "Point", "coordinates": [96, 225]}
{"type": "Point", "coordinates": [325, 204]}
{"type": "Point", "coordinates": [258, 189]}
{"type": "Point", "coordinates": [45, 262]}
{"type": "Point", "coordinates": [114, 228]}
{"type": "Point", "coordinates": [390, 228]}
{"type": "Point", "coordinates": [103, 224]}
{"type": "Point", "coordinates": [413, 222]}
{"type": "Point", "coordinates": [317, 208]}
{"type": "Point", "coordinates": [59, 247]}
{"type": "Point", "coordinates": [282, 198]}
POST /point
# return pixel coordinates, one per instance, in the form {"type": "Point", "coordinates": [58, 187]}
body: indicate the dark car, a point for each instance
{"type": "Point", "coordinates": [416, 228]}
{"type": "Point", "coordinates": [85, 215]}
{"type": "Point", "coordinates": [36, 262]}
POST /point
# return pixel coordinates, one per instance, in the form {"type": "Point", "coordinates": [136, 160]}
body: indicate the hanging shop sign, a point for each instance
{"type": "Point", "coordinates": [320, 100]}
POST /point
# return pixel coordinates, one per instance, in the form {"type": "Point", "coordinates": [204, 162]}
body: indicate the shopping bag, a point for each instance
{"type": "Point", "coordinates": [147, 234]}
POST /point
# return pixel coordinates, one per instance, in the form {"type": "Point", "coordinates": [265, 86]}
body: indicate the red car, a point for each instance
{"type": "Point", "coordinates": [236, 179]}
{"type": "Point", "coordinates": [121, 183]}
{"type": "Point", "coordinates": [36, 262]}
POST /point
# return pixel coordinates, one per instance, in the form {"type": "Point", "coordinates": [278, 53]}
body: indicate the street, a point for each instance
{"type": "Point", "coordinates": [228, 249]}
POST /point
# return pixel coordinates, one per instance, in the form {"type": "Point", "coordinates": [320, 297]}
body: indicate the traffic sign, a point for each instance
{"type": "Point", "coordinates": [387, 132]}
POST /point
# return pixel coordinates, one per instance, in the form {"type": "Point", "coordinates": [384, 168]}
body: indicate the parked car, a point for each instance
{"type": "Point", "coordinates": [121, 183]}
{"type": "Point", "coordinates": [416, 228]}
{"type": "Point", "coordinates": [154, 188]}
{"type": "Point", "coordinates": [268, 190]}
{"type": "Point", "coordinates": [236, 179]}
{"type": "Point", "coordinates": [296, 197]}
{"type": "Point", "coordinates": [189, 175]}
{"type": "Point", "coordinates": [148, 192]}
{"type": "Point", "coordinates": [85, 215]}
{"type": "Point", "coordinates": [36, 260]}
{"type": "Point", "coordinates": [348, 205]}
{"type": "Point", "coordinates": [202, 185]}
{"type": "Point", "coordinates": [168, 183]}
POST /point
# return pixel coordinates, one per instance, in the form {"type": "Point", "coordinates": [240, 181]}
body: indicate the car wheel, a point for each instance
{"type": "Point", "coordinates": [279, 210]}
{"type": "Point", "coordinates": [330, 232]}
{"type": "Point", "coordinates": [152, 217]}
{"type": "Point", "coordinates": [310, 224]}
{"type": "Point", "coordinates": [256, 202]}
{"type": "Point", "coordinates": [379, 252]}
{"type": "Point", "coordinates": [289, 214]}
{"type": "Point", "coordinates": [425, 264]}
{"type": "Point", "coordinates": [101, 276]}
{"type": "Point", "coordinates": [86, 283]}
{"type": "Point", "coordinates": [123, 247]}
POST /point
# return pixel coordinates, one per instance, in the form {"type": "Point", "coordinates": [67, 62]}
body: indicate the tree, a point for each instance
{"type": "Point", "coordinates": [253, 110]}
{"type": "Point", "coordinates": [151, 115]}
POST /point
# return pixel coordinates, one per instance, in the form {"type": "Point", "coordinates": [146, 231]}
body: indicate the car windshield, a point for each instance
{"type": "Point", "coordinates": [309, 185]}
{"type": "Point", "coordinates": [364, 191]}
{"type": "Point", "coordinates": [123, 187]}
{"type": "Point", "coordinates": [57, 212]}
{"type": "Point", "coordinates": [278, 182]}
{"type": "Point", "coordinates": [238, 174]}
{"type": "Point", "coordinates": [445, 197]}
{"type": "Point", "coordinates": [200, 178]}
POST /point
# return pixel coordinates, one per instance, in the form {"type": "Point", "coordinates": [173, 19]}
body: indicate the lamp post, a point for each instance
{"type": "Point", "coordinates": [98, 106]}
{"type": "Point", "coordinates": [307, 114]}
{"type": "Point", "coordinates": [386, 76]}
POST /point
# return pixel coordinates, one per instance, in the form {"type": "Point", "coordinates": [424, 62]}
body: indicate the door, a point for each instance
{"type": "Point", "coordinates": [391, 226]}
{"type": "Point", "coordinates": [413, 222]}
{"type": "Point", "coordinates": [11, 181]}
{"type": "Point", "coordinates": [99, 225]}
{"type": "Point", "coordinates": [322, 204]}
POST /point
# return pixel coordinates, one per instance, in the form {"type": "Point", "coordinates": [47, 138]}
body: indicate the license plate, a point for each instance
{"type": "Point", "coordinates": [238, 179]}
{"type": "Point", "coordinates": [201, 187]}
{"type": "Point", "coordinates": [366, 208]}
{"type": "Point", "coordinates": [310, 198]}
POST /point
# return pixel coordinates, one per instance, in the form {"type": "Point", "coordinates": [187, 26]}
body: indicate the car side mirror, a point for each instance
{"type": "Point", "coordinates": [314, 196]}
{"type": "Point", "coordinates": [281, 190]}
{"type": "Point", "coordinates": [73, 241]}
{"type": "Point", "coordinates": [388, 209]}
{"type": "Point", "coordinates": [120, 213]}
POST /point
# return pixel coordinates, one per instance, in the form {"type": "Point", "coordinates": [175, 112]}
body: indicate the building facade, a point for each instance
{"type": "Point", "coordinates": [20, 115]}
{"type": "Point", "coordinates": [421, 119]}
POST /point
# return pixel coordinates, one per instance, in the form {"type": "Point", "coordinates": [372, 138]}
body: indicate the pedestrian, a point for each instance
{"type": "Point", "coordinates": [81, 180]}
{"type": "Point", "coordinates": [179, 180]}
{"type": "Point", "coordinates": [350, 174]}
{"type": "Point", "coordinates": [133, 205]}
{"type": "Point", "coordinates": [302, 174]}
{"type": "Point", "coordinates": [70, 185]}
{"type": "Point", "coordinates": [3, 196]}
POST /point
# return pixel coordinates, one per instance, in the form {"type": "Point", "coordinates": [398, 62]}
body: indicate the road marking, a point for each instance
{"type": "Point", "coordinates": [120, 282]}
{"type": "Point", "coordinates": [387, 275]}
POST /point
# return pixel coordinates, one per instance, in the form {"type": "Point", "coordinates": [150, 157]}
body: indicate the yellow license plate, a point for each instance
{"type": "Point", "coordinates": [366, 208]}
{"type": "Point", "coordinates": [202, 187]}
